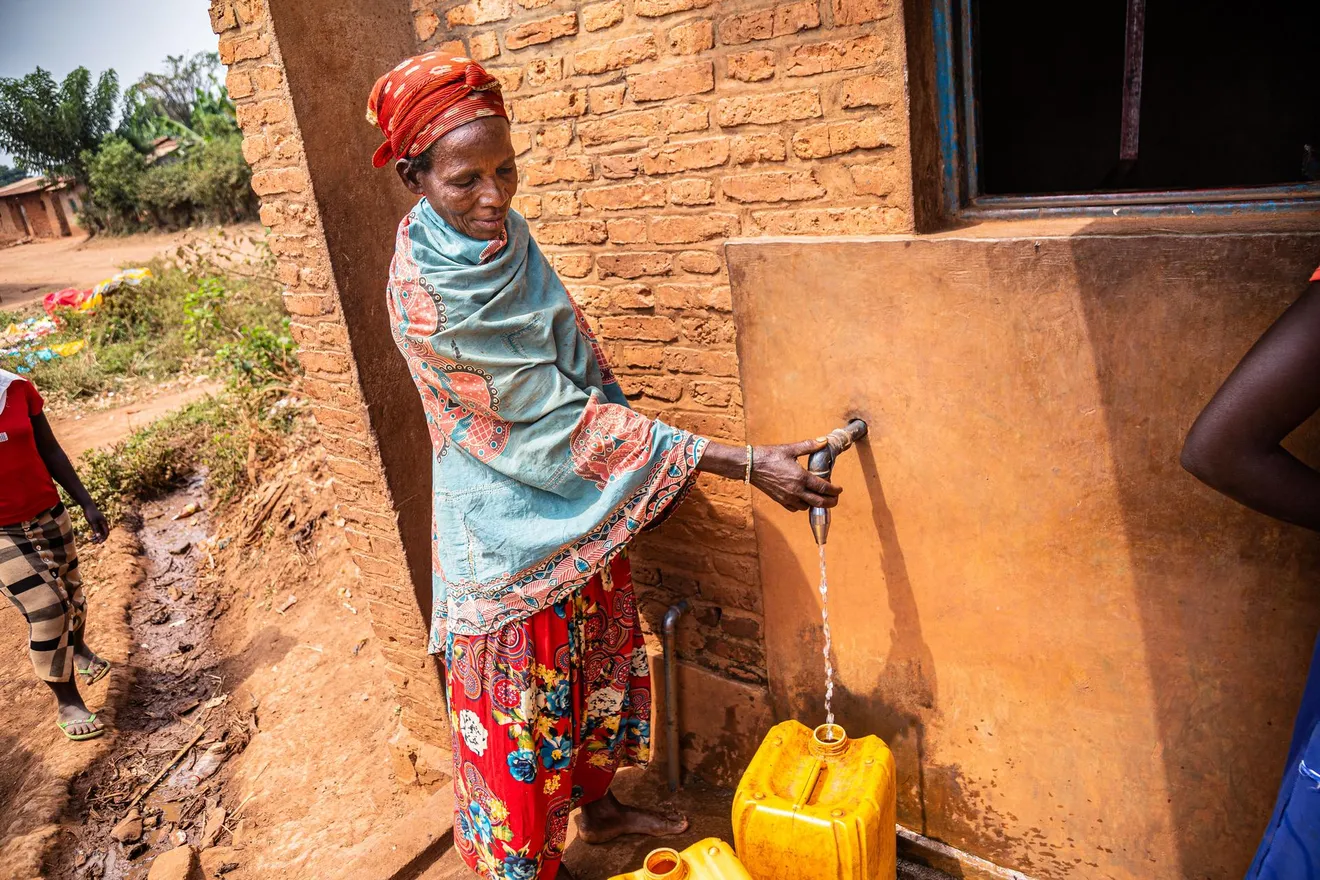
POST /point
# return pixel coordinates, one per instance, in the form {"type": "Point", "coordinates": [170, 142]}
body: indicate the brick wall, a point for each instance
{"type": "Point", "coordinates": [649, 133]}
{"type": "Point", "coordinates": [273, 146]}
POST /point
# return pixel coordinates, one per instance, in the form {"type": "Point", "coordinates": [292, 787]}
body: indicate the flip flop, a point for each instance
{"type": "Point", "coordinates": [94, 677]}
{"type": "Point", "coordinates": [79, 737]}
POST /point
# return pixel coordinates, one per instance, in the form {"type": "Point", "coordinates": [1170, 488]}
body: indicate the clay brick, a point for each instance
{"type": "Point", "coordinates": [538, 172]}
{"type": "Point", "coordinates": [452, 47]}
{"type": "Point", "coordinates": [875, 219]}
{"type": "Point", "coordinates": [249, 116]}
{"type": "Point", "coordinates": [715, 394]}
{"type": "Point", "coordinates": [308, 304]}
{"type": "Point", "coordinates": [750, 148]}
{"type": "Point", "coordinates": [615, 55]}
{"type": "Point", "coordinates": [627, 231]}
{"type": "Point", "coordinates": [238, 84]}
{"type": "Point", "coordinates": [634, 265]}
{"type": "Point", "coordinates": [753, 66]}
{"type": "Point", "coordinates": [270, 214]}
{"type": "Point", "coordinates": [708, 425]}
{"type": "Point", "coordinates": [876, 178]}
{"type": "Point", "coordinates": [534, 4]}
{"type": "Point", "coordinates": [510, 78]}
{"type": "Point", "coordinates": [642, 328]}
{"type": "Point", "coordinates": [484, 46]}
{"type": "Point", "coordinates": [699, 262]}
{"type": "Point", "coordinates": [649, 194]}
{"type": "Point", "coordinates": [687, 156]}
{"type": "Point", "coordinates": [657, 8]}
{"type": "Point", "coordinates": [872, 90]}
{"type": "Point", "coordinates": [692, 360]}
{"type": "Point", "coordinates": [687, 229]}
{"type": "Point", "coordinates": [619, 167]}
{"type": "Point", "coordinates": [768, 109]}
{"type": "Point", "coordinates": [235, 49]}
{"type": "Point", "coordinates": [606, 99]}
{"type": "Point", "coordinates": [543, 71]}
{"type": "Point", "coordinates": [555, 137]}
{"type": "Point", "coordinates": [638, 357]}
{"type": "Point", "coordinates": [684, 118]}
{"type": "Point", "coordinates": [834, 55]}
{"type": "Point", "coordinates": [835, 138]}
{"type": "Point", "coordinates": [598, 16]}
{"type": "Point", "coordinates": [848, 12]}
{"type": "Point", "coordinates": [773, 186]}
{"type": "Point", "coordinates": [565, 203]}
{"type": "Point", "coordinates": [709, 331]}
{"type": "Point", "coordinates": [275, 110]}
{"type": "Point", "coordinates": [666, 388]}
{"type": "Point", "coordinates": [630, 296]}
{"type": "Point", "coordinates": [573, 265]}
{"type": "Point", "coordinates": [325, 361]}
{"type": "Point", "coordinates": [764, 24]}
{"type": "Point", "coordinates": [255, 148]}
{"type": "Point", "coordinates": [222, 16]}
{"type": "Point", "coordinates": [572, 232]}
{"type": "Point", "coordinates": [279, 180]}
{"type": "Point", "coordinates": [314, 278]}
{"type": "Point", "coordinates": [534, 33]}
{"type": "Point", "coordinates": [691, 191]}
{"type": "Point", "coordinates": [694, 296]}
{"type": "Point", "coordinates": [425, 24]}
{"type": "Point", "coordinates": [672, 82]}
{"type": "Point", "coordinates": [621, 126]}
{"type": "Point", "coordinates": [268, 78]}
{"type": "Point", "coordinates": [562, 104]}
{"type": "Point", "coordinates": [522, 141]}
{"type": "Point", "coordinates": [691, 37]}
{"type": "Point", "coordinates": [479, 12]}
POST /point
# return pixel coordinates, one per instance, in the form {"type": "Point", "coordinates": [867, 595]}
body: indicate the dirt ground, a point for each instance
{"type": "Point", "coordinates": [30, 271]}
{"type": "Point", "coordinates": [290, 698]}
{"type": "Point", "coordinates": [88, 429]}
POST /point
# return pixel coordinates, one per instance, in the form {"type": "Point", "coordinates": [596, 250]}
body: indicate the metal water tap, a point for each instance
{"type": "Point", "coordinates": [821, 464]}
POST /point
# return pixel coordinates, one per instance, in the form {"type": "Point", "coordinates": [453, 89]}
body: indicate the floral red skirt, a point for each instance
{"type": "Point", "coordinates": [544, 711]}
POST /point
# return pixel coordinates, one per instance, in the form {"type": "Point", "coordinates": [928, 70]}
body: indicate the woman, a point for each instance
{"type": "Point", "coordinates": [38, 561]}
{"type": "Point", "coordinates": [1235, 447]}
{"type": "Point", "coordinates": [542, 476]}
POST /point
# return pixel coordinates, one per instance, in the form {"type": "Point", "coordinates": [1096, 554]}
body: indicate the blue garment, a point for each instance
{"type": "Point", "coordinates": [1290, 849]}
{"type": "Point", "coordinates": [541, 473]}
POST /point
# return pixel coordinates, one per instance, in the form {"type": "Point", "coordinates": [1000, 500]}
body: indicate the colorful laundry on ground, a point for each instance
{"type": "Point", "coordinates": [130, 277]}
{"type": "Point", "coordinates": [71, 298]}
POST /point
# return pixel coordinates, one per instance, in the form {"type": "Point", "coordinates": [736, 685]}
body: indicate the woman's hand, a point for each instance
{"type": "Point", "coordinates": [96, 521]}
{"type": "Point", "coordinates": [775, 471]}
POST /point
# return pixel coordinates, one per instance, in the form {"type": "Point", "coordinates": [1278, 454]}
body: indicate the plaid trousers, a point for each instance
{"type": "Point", "coordinates": [39, 574]}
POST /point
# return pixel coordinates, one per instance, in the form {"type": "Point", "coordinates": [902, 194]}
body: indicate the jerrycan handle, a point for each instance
{"type": "Point", "coordinates": [664, 864]}
{"type": "Point", "coordinates": [827, 741]}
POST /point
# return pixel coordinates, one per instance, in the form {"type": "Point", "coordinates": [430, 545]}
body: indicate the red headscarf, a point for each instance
{"type": "Point", "coordinates": [425, 98]}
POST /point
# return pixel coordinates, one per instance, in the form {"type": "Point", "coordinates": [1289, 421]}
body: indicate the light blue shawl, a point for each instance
{"type": "Point", "coordinates": [541, 472]}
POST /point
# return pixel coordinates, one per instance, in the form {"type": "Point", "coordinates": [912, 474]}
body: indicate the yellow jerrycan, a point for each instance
{"type": "Point", "coordinates": [710, 859]}
{"type": "Point", "coordinates": [815, 805]}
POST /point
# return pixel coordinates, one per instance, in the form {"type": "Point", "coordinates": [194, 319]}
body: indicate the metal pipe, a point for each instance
{"type": "Point", "coordinates": [669, 632]}
{"type": "Point", "coordinates": [821, 464]}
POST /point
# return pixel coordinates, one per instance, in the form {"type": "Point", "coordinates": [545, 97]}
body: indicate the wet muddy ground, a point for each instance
{"type": "Point", "coordinates": [158, 789]}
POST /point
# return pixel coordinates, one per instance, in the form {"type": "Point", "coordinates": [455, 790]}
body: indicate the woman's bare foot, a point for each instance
{"type": "Point", "coordinates": [73, 713]}
{"type": "Point", "coordinates": [87, 663]}
{"type": "Point", "coordinates": [603, 820]}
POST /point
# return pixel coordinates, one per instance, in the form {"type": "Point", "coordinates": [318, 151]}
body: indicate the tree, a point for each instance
{"type": "Point", "coordinates": [10, 175]}
{"type": "Point", "coordinates": [174, 93]}
{"type": "Point", "coordinates": [48, 128]}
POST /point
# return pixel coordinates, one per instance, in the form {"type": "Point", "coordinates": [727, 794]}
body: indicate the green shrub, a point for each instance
{"type": "Point", "coordinates": [114, 174]}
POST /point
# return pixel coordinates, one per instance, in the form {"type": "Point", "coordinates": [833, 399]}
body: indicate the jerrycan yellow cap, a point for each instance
{"type": "Point", "coordinates": [664, 864]}
{"type": "Point", "coordinates": [828, 740]}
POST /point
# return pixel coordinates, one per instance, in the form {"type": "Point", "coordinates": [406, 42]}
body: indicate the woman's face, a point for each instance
{"type": "Point", "coordinates": [472, 179]}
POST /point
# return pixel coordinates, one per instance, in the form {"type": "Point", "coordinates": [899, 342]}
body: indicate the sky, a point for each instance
{"type": "Point", "coordinates": [131, 36]}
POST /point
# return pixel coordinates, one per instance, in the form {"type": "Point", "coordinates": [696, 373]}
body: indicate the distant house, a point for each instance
{"type": "Point", "coordinates": [39, 208]}
{"type": "Point", "coordinates": [164, 151]}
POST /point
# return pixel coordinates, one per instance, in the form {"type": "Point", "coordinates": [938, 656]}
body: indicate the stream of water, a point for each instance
{"type": "Point", "coordinates": [825, 625]}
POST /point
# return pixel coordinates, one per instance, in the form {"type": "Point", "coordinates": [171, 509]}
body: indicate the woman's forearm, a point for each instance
{"type": "Point", "coordinates": [724, 460]}
{"type": "Point", "coordinates": [57, 463]}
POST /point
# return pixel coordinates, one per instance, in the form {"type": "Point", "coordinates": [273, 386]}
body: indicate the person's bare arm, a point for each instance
{"type": "Point", "coordinates": [775, 471]}
{"type": "Point", "coordinates": [63, 473]}
{"type": "Point", "coordinates": [1234, 446]}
